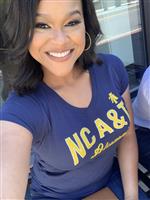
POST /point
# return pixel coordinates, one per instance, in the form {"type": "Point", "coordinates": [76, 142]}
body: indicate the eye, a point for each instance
{"type": "Point", "coordinates": [73, 23]}
{"type": "Point", "coordinates": [41, 26]}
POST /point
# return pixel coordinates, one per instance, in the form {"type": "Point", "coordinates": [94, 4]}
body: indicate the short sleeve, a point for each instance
{"type": "Point", "coordinates": [117, 71]}
{"type": "Point", "coordinates": [26, 112]}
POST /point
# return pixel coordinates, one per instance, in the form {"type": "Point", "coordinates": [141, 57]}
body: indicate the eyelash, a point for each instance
{"type": "Point", "coordinates": [73, 23]}
{"type": "Point", "coordinates": [41, 25]}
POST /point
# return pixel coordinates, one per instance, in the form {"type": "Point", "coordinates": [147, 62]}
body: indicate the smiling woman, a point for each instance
{"type": "Point", "coordinates": [17, 38]}
{"type": "Point", "coordinates": [69, 105]}
{"type": "Point", "coordinates": [59, 38]}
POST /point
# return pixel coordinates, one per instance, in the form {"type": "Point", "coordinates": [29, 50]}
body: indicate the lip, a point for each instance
{"type": "Point", "coordinates": [60, 59]}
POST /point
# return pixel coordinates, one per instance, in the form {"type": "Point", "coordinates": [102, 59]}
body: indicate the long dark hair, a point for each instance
{"type": "Point", "coordinates": [17, 32]}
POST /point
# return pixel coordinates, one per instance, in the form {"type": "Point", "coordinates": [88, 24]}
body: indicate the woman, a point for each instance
{"type": "Point", "coordinates": [68, 104]}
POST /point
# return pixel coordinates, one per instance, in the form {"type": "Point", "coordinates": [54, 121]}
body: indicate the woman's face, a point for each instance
{"type": "Point", "coordinates": [59, 36]}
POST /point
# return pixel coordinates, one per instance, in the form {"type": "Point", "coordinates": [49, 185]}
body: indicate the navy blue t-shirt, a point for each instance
{"type": "Point", "coordinates": [74, 147]}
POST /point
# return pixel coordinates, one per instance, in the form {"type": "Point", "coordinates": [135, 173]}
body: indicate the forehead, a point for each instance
{"type": "Point", "coordinates": [58, 7]}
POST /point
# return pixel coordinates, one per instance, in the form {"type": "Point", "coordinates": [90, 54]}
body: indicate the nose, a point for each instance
{"type": "Point", "coordinates": [59, 37]}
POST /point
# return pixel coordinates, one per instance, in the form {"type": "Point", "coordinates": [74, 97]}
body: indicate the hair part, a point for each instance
{"type": "Point", "coordinates": [17, 33]}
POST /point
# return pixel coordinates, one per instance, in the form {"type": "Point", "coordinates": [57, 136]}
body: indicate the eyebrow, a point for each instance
{"type": "Point", "coordinates": [74, 12]}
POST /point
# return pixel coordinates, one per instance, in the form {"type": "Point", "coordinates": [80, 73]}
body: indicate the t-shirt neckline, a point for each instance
{"type": "Point", "coordinates": [61, 100]}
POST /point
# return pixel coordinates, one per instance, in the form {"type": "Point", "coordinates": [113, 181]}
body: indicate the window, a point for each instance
{"type": "Point", "coordinates": [120, 21]}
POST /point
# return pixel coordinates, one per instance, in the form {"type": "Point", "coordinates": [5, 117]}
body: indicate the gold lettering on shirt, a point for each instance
{"type": "Point", "coordinates": [101, 147]}
{"type": "Point", "coordinates": [121, 106]}
{"type": "Point", "coordinates": [117, 123]}
{"type": "Point", "coordinates": [76, 148]}
{"type": "Point", "coordinates": [87, 143]}
{"type": "Point", "coordinates": [98, 150]}
{"type": "Point", "coordinates": [102, 127]}
{"type": "Point", "coordinates": [80, 143]}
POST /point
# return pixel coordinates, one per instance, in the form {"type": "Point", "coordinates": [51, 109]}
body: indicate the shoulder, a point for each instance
{"type": "Point", "coordinates": [18, 103]}
{"type": "Point", "coordinates": [110, 60]}
{"type": "Point", "coordinates": [26, 102]}
{"type": "Point", "coordinates": [26, 111]}
{"type": "Point", "coordinates": [110, 64]}
{"type": "Point", "coordinates": [112, 69]}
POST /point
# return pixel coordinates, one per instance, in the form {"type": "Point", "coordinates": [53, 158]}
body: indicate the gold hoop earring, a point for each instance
{"type": "Point", "coordinates": [90, 41]}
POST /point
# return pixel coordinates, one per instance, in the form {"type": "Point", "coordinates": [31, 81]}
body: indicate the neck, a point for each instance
{"type": "Point", "coordinates": [57, 82]}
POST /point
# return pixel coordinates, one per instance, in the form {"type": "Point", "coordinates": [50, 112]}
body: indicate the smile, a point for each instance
{"type": "Point", "coordinates": [59, 54]}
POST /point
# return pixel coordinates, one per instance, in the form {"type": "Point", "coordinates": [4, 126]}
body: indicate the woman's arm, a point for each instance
{"type": "Point", "coordinates": [15, 155]}
{"type": "Point", "coordinates": [128, 162]}
{"type": "Point", "coordinates": [128, 156]}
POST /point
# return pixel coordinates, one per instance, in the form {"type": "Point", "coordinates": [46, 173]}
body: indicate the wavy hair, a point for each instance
{"type": "Point", "coordinates": [17, 33]}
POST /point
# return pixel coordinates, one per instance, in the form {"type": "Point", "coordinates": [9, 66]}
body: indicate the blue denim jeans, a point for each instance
{"type": "Point", "coordinates": [114, 184]}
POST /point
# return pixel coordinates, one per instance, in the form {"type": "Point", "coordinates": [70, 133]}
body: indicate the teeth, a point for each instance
{"type": "Point", "coordinates": [59, 55]}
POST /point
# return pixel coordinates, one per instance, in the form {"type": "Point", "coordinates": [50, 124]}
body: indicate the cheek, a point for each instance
{"type": "Point", "coordinates": [34, 51]}
{"type": "Point", "coordinates": [37, 43]}
{"type": "Point", "coordinates": [79, 38]}
{"type": "Point", "coordinates": [33, 46]}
